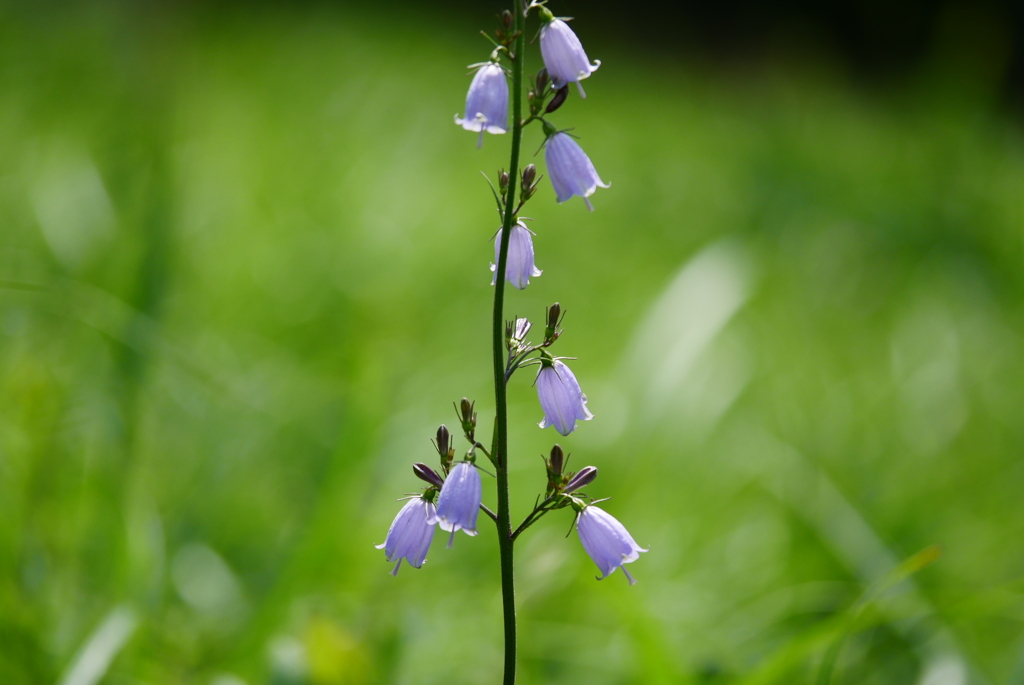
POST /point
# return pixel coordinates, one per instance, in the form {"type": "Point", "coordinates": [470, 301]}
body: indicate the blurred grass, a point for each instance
{"type": "Point", "coordinates": [243, 273]}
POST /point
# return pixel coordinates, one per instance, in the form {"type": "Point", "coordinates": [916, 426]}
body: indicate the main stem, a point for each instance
{"type": "Point", "coordinates": [508, 592]}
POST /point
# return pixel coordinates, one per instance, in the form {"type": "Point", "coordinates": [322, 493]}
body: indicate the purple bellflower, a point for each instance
{"type": "Point", "coordinates": [607, 541]}
{"type": "Point", "coordinates": [563, 53]}
{"type": "Point", "coordinates": [459, 502]}
{"type": "Point", "coordinates": [519, 266]}
{"type": "Point", "coordinates": [410, 534]}
{"type": "Point", "coordinates": [486, 102]}
{"type": "Point", "coordinates": [571, 171]}
{"type": "Point", "coordinates": [560, 397]}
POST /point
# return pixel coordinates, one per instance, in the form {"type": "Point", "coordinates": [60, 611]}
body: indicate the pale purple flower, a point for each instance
{"type": "Point", "coordinates": [486, 102]}
{"type": "Point", "coordinates": [519, 265]}
{"type": "Point", "coordinates": [607, 541]}
{"type": "Point", "coordinates": [560, 397]}
{"type": "Point", "coordinates": [410, 534]}
{"type": "Point", "coordinates": [571, 171]}
{"type": "Point", "coordinates": [459, 502]}
{"type": "Point", "coordinates": [563, 54]}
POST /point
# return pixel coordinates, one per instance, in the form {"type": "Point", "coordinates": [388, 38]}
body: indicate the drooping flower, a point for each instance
{"type": "Point", "coordinates": [459, 503]}
{"type": "Point", "coordinates": [563, 53]}
{"type": "Point", "coordinates": [410, 534]}
{"type": "Point", "coordinates": [607, 541]}
{"type": "Point", "coordinates": [486, 102]}
{"type": "Point", "coordinates": [560, 397]}
{"type": "Point", "coordinates": [519, 265]}
{"type": "Point", "coordinates": [571, 171]}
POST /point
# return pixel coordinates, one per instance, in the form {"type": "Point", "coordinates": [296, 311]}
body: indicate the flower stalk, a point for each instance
{"type": "Point", "coordinates": [500, 456]}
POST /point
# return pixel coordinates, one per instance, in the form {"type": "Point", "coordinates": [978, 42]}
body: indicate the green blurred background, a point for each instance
{"type": "Point", "coordinates": [244, 273]}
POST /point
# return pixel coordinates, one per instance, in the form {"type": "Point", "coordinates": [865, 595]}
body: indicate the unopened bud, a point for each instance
{"type": "Point", "coordinates": [554, 313]}
{"type": "Point", "coordinates": [560, 96]}
{"type": "Point", "coordinates": [551, 332]}
{"type": "Point", "coordinates": [507, 19]}
{"type": "Point", "coordinates": [503, 181]}
{"type": "Point", "coordinates": [443, 439]}
{"type": "Point", "coordinates": [427, 474]}
{"type": "Point", "coordinates": [585, 477]}
{"type": "Point", "coordinates": [556, 461]}
{"type": "Point", "coordinates": [542, 80]}
{"type": "Point", "coordinates": [529, 175]}
{"type": "Point", "coordinates": [468, 417]}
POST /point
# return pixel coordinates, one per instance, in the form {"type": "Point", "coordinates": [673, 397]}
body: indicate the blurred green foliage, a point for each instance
{"type": "Point", "coordinates": [243, 274]}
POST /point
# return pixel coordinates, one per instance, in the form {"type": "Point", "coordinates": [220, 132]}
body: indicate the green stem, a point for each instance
{"type": "Point", "coordinates": [508, 594]}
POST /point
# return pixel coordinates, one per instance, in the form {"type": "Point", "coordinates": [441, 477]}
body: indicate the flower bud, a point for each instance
{"type": "Point", "coordinates": [529, 175]}
{"type": "Point", "coordinates": [522, 329]}
{"type": "Point", "coordinates": [560, 96]}
{"type": "Point", "coordinates": [443, 438]}
{"type": "Point", "coordinates": [427, 474]}
{"type": "Point", "coordinates": [503, 181]}
{"type": "Point", "coordinates": [556, 461]}
{"type": "Point", "coordinates": [586, 476]}
{"type": "Point", "coordinates": [468, 417]}
{"type": "Point", "coordinates": [444, 447]}
{"type": "Point", "coordinates": [554, 315]}
{"type": "Point", "coordinates": [507, 20]}
{"type": "Point", "coordinates": [542, 80]}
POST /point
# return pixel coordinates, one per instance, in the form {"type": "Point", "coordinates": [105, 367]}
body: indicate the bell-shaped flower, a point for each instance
{"type": "Point", "coordinates": [560, 397]}
{"type": "Point", "coordinates": [410, 534]}
{"type": "Point", "coordinates": [486, 102]}
{"type": "Point", "coordinates": [519, 265]}
{"type": "Point", "coordinates": [563, 54]}
{"type": "Point", "coordinates": [607, 541]}
{"type": "Point", "coordinates": [571, 171]}
{"type": "Point", "coordinates": [459, 503]}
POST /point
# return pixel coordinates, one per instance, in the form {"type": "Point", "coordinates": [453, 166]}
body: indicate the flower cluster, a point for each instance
{"type": "Point", "coordinates": [452, 499]}
{"type": "Point", "coordinates": [565, 61]}
{"type": "Point", "coordinates": [458, 503]}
